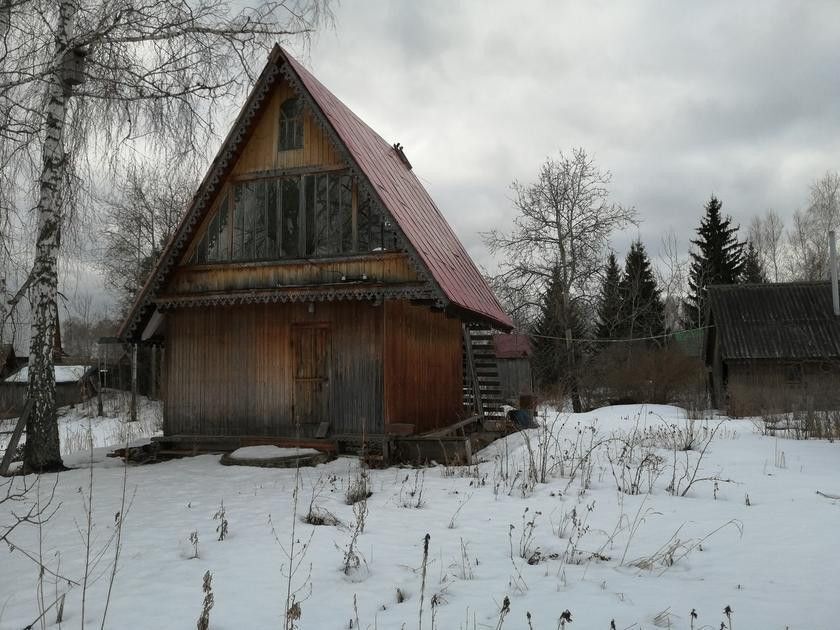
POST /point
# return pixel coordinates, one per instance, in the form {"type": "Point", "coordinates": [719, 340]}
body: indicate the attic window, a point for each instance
{"type": "Point", "coordinates": [291, 125]}
{"type": "Point", "coordinates": [293, 217]}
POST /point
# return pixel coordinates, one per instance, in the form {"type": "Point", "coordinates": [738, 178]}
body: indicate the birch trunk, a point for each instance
{"type": "Point", "coordinates": [43, 450]}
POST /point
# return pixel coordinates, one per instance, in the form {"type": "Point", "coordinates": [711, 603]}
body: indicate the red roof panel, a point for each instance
{"type": "Point", "coordinates": [410, 205]}
{"type": "Point", "coordinates": [512, 346]}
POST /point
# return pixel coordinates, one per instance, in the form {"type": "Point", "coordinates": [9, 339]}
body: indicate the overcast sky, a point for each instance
{"type": "Point", "coordinates": [678, 100]}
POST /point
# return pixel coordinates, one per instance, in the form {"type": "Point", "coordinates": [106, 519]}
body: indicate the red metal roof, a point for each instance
{"type": "Point", "coordinates": [512, 346]}
{"type": "Point", "coordinates": [408, 202]}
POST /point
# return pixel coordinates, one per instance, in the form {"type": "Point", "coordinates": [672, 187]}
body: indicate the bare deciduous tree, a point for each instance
{"type": "Point", "coordinates": [562, 225]}
{"type": "Point", "coordinates": [765, 233]}
{"type": "Point", "coordinates": [140, 214]}
{"type": "Point", "coordinates": [808, 257]}
{"type": "Point", "coordinates": [672, 277]}
{"type": "Point", "coordinates": [82, 85]}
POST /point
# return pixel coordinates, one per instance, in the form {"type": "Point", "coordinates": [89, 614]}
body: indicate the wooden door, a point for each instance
{"type": "Point", "coordinates": [311, 356]}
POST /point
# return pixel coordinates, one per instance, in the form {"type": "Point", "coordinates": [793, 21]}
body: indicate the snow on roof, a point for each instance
{"type": "Point", "coordinates": [63, 374]}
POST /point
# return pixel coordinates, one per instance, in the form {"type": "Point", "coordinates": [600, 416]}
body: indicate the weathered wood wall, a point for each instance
{"type": "Point", "coordinates": [13, 396]}
{"type": "Point", "coordinates": [774, 386]}
{"type": "Point", "coordinates": [241, 370]}
{"type": "Point", "coordinates": [261, 152]}
{"type": "Point", "coordinates": [384, 267]}
{"type": "Point", "coordinates": [230, 370]}
{"type": "Point", "coordinates": [515, 378]}
{"type": "Point", "coordinates": [422, 367]}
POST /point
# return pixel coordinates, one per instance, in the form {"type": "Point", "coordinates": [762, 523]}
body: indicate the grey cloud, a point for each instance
{"type": "Point", "coordinates": [678, 100]}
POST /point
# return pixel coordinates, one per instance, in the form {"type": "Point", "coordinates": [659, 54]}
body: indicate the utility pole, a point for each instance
{"type": "Point", "coordinates": [835, 294]}
{"type": "Point", "coordinates": [133, 415]}
{"type": "Point", "coordinates": [2, 307]}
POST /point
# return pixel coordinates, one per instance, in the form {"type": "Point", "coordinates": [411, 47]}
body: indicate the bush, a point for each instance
{"type": "Point", "coordinates": [644, 374]}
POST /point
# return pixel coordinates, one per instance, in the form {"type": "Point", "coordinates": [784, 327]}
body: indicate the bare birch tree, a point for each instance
{"type": "Point", "coordinates": [765, 233]}
{"type": "Point", "coordinates": [672, 277]}
{"type": "Point", "coordinates": [84, 83]}
{"type": "Point", "coordinates": [560, 233]}
{"type": "Point", "coordinates": [808, 257]}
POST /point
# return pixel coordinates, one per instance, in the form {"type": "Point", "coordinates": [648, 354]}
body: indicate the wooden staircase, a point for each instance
{"type": "Point", "coordinates": [482, 387]}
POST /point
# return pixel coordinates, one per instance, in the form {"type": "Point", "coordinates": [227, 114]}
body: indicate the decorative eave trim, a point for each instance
{"type": "Point", "coordinates": [203, 197]}
{"type": "Point", "coordinates": [303, 294]}
{"type": "Point", "coordinates": [277, 65]}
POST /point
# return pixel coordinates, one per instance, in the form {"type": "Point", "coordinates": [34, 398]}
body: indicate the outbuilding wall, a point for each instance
{"type": "Point", "coordinates": [515, 378]}
{"type": "Point", "coordinates": [755, 387]}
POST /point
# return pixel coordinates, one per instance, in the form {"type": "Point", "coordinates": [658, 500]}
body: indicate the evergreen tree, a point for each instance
{"type": "Point", "coordinates": [753, 271]}
{"type": "Point", "coordinates": [718, 259]}
{"type": "Point", "coordinates": [642, 310]}
{"type": "Point", "coordinates": [553, 363]}
{"type": "Point", "coordinates": [609, 303]}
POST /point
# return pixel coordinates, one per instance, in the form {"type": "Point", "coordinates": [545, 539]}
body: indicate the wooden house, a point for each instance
{"type": "Point", "coordinates": [773, 347]}
{"type": "Point", "coordinates": [313, 288]}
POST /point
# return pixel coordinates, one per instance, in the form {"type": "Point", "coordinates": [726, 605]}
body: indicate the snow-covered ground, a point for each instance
{"type": "Point", "coordinates": [757, 538]}
{"type": "Point", "coordinates": [77, 424]}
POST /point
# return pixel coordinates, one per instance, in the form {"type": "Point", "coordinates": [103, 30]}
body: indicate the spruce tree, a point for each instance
{"type": "Point", "coordinates": [718, 259]}
{"type": "Point", "coordinates": [642, 310]}
{"type": "Point", "coordinates": [609, 302]}
{"type": "Point", "coordinates": [753, 271]}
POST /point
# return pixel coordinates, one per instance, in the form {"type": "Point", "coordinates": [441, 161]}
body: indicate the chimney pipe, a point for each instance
{"type": "Point", "coordinates": [835, 294]}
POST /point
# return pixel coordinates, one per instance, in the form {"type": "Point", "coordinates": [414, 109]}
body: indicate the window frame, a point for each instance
{"type": "Point", "coordinates": [290, 121]}
{"type": "Point", "coordinates": [373, 236]}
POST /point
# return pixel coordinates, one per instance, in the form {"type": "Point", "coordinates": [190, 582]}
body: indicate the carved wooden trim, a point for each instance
{"type": "Point", "coordinates": [207, 191]}
{"type": "Point", "coordinates": [302, 294]}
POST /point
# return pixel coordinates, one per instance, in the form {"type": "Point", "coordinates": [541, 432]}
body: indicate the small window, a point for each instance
{"type": "Point", "coordinates": [291, 125]}
{"type": "Point", "coordinates": [793, 374]}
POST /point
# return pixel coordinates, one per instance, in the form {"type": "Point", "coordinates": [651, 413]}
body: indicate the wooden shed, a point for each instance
{"type": "Point", "coordinates": [773, 347]}
{"type": "Point", "coordinates": [313, 288]}
{"type": "Point", "coordinates": [73, 384]}
{"type": "Point", "coordinates": [513, 356]}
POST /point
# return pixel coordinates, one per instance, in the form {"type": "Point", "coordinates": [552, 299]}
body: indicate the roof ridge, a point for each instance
{"type": "Point", "coordinates": [737, 285]}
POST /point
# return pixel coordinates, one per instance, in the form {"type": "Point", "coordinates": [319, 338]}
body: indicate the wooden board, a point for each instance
{"type": "Point", "coordinates": [11, 447]}
{"type": "Point", "coordinates": [423, 370]}
{"type": "Point", "coordinates": [312, 361]}
{"type": "Point", "coordinates": [231, 370]}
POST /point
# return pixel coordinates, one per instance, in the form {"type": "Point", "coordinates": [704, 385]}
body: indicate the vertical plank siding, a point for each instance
{"type": "Point", "coordinates": [261, 152]}
{"type": "Point", "coordinates": [254, 369]}
{"type": "Point", "coordinates": [515, 378]}
{"type": "Point", "coordinates": [423, 372]}
{"type": "Point", "coordinates": [230, 370]}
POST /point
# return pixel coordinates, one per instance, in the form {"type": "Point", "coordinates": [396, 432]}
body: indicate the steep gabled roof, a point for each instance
{"type": "Point", "coordinates": [792, 320]}
{"type": "Point", "coordinates": [427, 234]}
{"type": "Point", "coordinates": [408, 202]}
